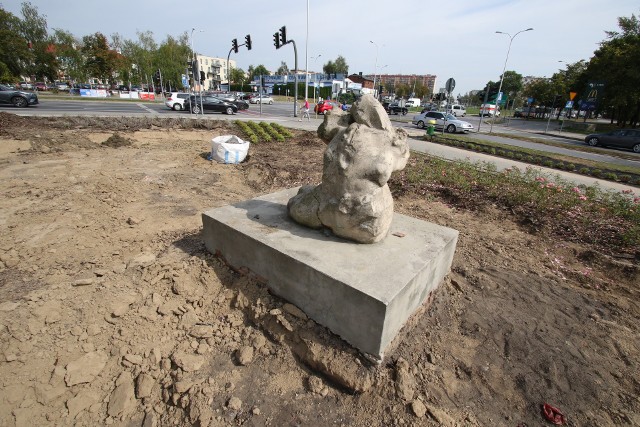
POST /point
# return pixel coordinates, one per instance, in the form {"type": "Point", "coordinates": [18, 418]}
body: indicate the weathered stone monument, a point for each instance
{"type": "Point", "coordinates": [375, 269]}
{"type": "Point", "coordinates": [354, 200]}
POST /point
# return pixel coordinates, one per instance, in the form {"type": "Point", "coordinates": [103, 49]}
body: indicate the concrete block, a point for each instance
{"type": "Point", "coordinates": [362, 292]}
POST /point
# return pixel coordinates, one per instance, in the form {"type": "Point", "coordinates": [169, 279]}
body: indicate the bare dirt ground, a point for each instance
{"type": "Point", "coordinates": [113, 313]}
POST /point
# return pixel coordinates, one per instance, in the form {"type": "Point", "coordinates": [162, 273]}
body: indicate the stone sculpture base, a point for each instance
{"type": "Point", "coordinates": [362, 292]}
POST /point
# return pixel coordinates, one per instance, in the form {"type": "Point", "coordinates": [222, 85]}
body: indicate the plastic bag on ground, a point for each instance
{"type": "Point", "coordinates": [229, 149]}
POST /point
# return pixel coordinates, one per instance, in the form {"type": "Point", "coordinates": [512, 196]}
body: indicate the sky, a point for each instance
{"type": "Point", "coordinates": [455, 39]}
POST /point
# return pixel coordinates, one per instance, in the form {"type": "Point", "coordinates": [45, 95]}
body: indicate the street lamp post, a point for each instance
{"type": "Point", "coordinates": [375, 66]}
{"type": "Point", "coordinates": [315, 80]}
{"type": "Point", "coordinates": [504, 68]}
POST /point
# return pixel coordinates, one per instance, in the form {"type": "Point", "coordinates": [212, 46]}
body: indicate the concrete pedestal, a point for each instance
{"type": "Point", "coordinates": [362, 292]}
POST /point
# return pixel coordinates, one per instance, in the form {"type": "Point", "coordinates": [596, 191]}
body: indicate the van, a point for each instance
{"type": "Point", "coordinates": [412, 102]}
{"type": "Point", "coordinates": [489, 110]}
{"type": "Point", "coordinates": [457, 110]}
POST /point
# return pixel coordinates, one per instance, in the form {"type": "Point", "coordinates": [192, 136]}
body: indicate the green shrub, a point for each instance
{"type": "Point", "coordinates": [492, 151]}
{"type": "Point", "coordinates": [518, 156]}
{"type": "Point", "coordinates": [625, 178]}
{"type": "Point", "coordinates": [571, 167]}
{"type": "Point", "coordinates": [611, 176]}
{"type": "Point", "coordinates": [471, 146]}
{"type": "Point", "coordinates": [559, 165]}
{"type": "Point", "coordinates": [548, 163]}
{"type": "Point", "coordinates": [584, 171]}
{"type": "Point", "coordinates": [597, 173]}
{"type": "Point", "coordinates": [501, 153]}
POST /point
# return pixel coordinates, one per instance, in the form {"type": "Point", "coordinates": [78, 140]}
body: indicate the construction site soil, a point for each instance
{"type": "Point", "coordinates": [112, 312]}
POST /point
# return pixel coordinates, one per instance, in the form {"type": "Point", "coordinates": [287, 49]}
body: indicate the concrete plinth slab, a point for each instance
{"type": "Point", "coordinates": [362, 292]}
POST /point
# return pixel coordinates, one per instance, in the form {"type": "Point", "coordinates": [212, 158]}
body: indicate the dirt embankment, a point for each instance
{"type": "Point", "coordinates": [113, 313]}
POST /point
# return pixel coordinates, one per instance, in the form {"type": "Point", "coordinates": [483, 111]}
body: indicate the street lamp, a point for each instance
{"type": "Point", "coordinates": [505, 66]}
{"type": "Point", "coordinates": [315, 81]}
{"type": "Point", "coordinates": [375, 66]}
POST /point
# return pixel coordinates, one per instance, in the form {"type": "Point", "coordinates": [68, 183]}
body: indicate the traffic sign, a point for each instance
{"type": "Point", "coordinates": [572, 95]}
{"type": "Point", "coordinates": [569, 104]}
{"type": "Point", "coordinates": [450, 85]}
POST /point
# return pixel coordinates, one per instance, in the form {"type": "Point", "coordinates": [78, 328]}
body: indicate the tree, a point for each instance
{"type": "Point", "coordinates": [616, 64]}
{"type": "Point", "coordinates": [258, 71]}
{"type": "Point", "coordinates": [238, 76]}
{"type": "Point", "coordinates": [283, 70]}
{"type": "Point", "coordinates": [339, 66]}
{"type": "Point", "coordinates": [14, 52]}
{"type": "Point", "coordinates": [69, 59]}
{"type": "Point", "coordinates": [100, 60]}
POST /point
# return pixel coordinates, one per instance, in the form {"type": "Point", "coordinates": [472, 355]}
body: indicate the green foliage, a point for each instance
{"type": "Point", "coordinates": [282, 130]}
{"type": "Point", "coordinates": [273, 132]}
{"type": "Point", "coordinates": [339, 66]}
{"type": "Point", "coordinates": [581, 214]}
{"type": "Point", "coordinates": [259, 131]}
{"type": "Point", "coordinates": [246, 130]}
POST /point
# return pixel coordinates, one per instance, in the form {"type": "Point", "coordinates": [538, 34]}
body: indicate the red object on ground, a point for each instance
{"type": "Point", "coordinates": [553, 414]}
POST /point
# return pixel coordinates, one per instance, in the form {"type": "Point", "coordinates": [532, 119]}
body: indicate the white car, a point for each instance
{"type": "Point", "coordinates": [264, 99]}
{"type": "Point", "coordinates": [175, 100]}
{"type": "Point", "coordinates": [447, 121]}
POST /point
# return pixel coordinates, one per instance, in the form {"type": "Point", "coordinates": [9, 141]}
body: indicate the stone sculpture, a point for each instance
{"type": "Point", "coordinates": [354, 200]}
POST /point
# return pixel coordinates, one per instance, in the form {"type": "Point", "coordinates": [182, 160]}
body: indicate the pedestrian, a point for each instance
{"type": "Point", "coordinates": [305, 109]}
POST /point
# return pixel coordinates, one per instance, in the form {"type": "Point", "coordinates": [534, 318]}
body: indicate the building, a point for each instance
{"type": "Point", "coordinates": [393, 80]}
{"type": "Point", "coordinates": [215, 70]}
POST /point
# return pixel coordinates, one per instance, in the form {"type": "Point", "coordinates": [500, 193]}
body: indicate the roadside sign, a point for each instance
{"type": "Point", "coordinates": [499, 97]}
{"type": "Point", "coordinates": [185, 82]}
{"type": "Point", "coordinates": [450, 85]}
{"type": "Point", "coordinates": [572, 95]}
{"type": "Point", "coordinates": [569, 104]}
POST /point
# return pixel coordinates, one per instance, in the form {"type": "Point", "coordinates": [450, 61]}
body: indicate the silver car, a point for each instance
{"type": "Point", "coordinates": [442, 121]}
{"type": "Point", "coordinates": [264, 99]}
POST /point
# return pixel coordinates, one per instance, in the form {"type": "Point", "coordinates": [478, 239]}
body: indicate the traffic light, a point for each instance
{"type": "Point", "coordinates": [276, 40]}
{"type": "Point", "coordinates": [157, 75]}
{"type": "Point", "coordinates": [234, 45]}
{"type": "Point", "coordinates": [190, 67]}
{"type": "Point", "coordinates": [201, 77]}
{"type": "Point", "coordinates": [283, 35]}
{"type": "Point", "coordinates": [247, 41]}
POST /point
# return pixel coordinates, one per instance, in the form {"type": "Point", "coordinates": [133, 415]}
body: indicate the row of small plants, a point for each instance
{"type": "Point", "coordinates": [586, 214]}
{"type": "Point", "coordinates": [538, 158]}
{"type": "Point", "coordinates": [263, 131]}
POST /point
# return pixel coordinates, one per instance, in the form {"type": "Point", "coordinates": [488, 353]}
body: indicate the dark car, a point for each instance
{"type": "Point", "coordinates": [233, 99]}
{"type": "Point", "coordinates": [16, 97]}
{"type": "Point", "coordinates": [395, 108]}
{"type": "Point", "coordinates": [622, 138]}
{"type": "Point", "coordinates": [210, 104]}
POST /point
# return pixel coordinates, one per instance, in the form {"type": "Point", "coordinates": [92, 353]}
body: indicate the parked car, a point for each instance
{"type": "Point", "coordinates": [62, 86]}
{"type": "Point", "coordinates": [622, 138]}
{"type": "Point", "coordinates": [175, 100]}
{"type": "Point", "coordinates": [323, 106]}
{"type": "Point", "coordinates": [25, 86]}
{"type": "Point", "coordinates": [41, 86]}
{"type": "Point", "coordinates": [16, 97]}
{"type": "Point", "coordinates": [210, 104]}
{"type": "Point", "coordinates": [264, 99]}
{"type": "Point", "coordinates": [447, 121]}
{"type": "Point", "coordinates": [395, 108]}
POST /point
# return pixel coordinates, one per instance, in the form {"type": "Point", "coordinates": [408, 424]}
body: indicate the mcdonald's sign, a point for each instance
{"type": "Point", "coordinates": [593, 95]}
